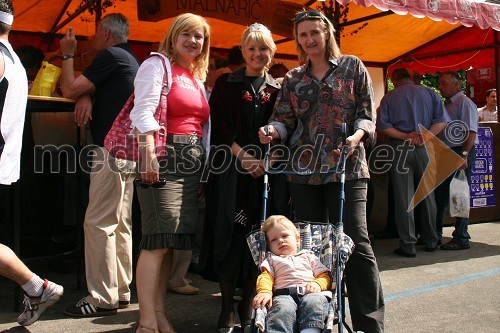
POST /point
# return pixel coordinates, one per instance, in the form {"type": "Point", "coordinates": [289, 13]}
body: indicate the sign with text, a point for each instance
{"type": "Point", "coordinates": [482, 184]}
{"type": "Point", "coordinates": [276, 15]}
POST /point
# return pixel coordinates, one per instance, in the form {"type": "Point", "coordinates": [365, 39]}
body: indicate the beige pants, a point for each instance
{"type": "Point", "coordinates": [108, 230]}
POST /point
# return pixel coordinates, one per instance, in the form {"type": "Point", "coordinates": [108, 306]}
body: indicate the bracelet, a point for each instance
{"type": "Point", "coordinates": [67, 56]}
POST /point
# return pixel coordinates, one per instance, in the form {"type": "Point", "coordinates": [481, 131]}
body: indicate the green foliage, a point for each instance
{"type": "Point", "coordinates": [431, 81]}
{"type": "Point", "coordinates": [338, 17]}
{"type": "Point", "coordinates": [94, 5]}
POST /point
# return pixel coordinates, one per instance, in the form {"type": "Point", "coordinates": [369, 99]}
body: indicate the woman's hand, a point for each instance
{"type": "Point", "coordinates": [267, 134]}
{"type": "Point", "coordinates": [351, 142]}
{"type": "Point", "coordinates": [250, 164]}
{"type": "Point", "coordinates": [262, 300]}
{"type": "Point", "coordinates": [253, 166]}
{"type": "Point", "coordinates": [149, 167]}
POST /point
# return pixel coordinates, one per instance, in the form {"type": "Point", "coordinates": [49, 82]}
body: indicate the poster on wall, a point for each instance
{"type": "Point", "coordinates": [482, 184]}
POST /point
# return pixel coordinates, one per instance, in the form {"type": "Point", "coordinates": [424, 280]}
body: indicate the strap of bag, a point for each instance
{"type": "Point", "coordinates": [166, 85]}
{"type": "Point", "coordinates": [6, 51]}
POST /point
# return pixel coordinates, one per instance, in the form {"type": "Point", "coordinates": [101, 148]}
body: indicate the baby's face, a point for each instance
{"type": "Point", "coordinates": [282, 240]}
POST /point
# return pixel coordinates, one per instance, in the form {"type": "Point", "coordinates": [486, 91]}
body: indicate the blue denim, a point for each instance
{"type": "Point", "coordinates": [286, 316]}
{"type": "Point", "coordinates": [442, 195]}
{"type": "Point", "coordinates": [321, 203]}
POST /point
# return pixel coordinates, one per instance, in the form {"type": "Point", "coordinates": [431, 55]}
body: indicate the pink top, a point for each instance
{"type": "Point", "coordinates": [187, 109]}
{"type": "Point", "coordinates": [293, 270]}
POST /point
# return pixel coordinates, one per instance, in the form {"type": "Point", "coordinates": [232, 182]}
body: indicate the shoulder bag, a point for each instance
{"type": "Point", "coordinates": [121, 141]}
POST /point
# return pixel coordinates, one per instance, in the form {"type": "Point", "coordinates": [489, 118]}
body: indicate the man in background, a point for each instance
{"type": "Point", "coordinates": [108, 219]}
{"type": "Point", "coordinates": [402, 111]}
{"type": "Point", "coordinates": [461, 138]}
{"type": "Point", "coordinates": [234, 61]}
{"type": "Point", "coordinates": [489, 111]}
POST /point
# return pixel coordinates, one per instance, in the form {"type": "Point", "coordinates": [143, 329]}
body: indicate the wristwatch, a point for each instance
{"type": "Point", "coordinates": [465, 153]}
{"type": "Point", "coordinates": [67, 56]}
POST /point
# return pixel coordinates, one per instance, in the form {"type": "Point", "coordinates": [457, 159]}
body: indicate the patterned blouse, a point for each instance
{"type": "Point", "coordinates": [309, 113]}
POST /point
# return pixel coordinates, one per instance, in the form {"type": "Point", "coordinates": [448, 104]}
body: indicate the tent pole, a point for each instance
{"type": "Point", "coordinates": [69, 19]}
{"type": "Point", "coordinates": [496, 53]}
{"type": "Point", "coordinates": [60, 15]}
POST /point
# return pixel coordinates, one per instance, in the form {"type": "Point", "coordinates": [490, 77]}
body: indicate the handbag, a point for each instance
{"type": "Point", "coordinates": [459, 195]}
{"type": "Point", "coordinates": [121, 141]}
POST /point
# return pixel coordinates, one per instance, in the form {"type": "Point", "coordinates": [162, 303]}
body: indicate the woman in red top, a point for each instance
{"type": "Point", "coordinates": [168, 191]}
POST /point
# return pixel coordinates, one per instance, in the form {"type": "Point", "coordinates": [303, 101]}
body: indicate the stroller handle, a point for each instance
{"type": "Point", "coordinates": [344, 134]}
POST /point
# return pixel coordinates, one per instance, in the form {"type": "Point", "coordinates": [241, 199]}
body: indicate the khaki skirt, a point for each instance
{"type": "Point", "coordinates": [169, 214]}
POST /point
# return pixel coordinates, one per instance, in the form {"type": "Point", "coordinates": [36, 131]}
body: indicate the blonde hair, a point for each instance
{"type": "Point", "coordinates": [332, 48]}
{"type": "Point", "coordinates": [260, 35]}
{"type": "Point", "coordinates": [186, 22]}
{"type": "Point", "coordinates": [273, 220]}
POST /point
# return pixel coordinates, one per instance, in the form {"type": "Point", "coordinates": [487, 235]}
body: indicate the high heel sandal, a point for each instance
{"type": "Point", "coordinates": [139, 325]}
{"type": "Point", "coordinates": [170, 331]}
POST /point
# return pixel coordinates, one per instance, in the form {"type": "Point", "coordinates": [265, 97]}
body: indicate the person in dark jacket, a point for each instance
{"type": "Point", "coordinates": [240, 103]}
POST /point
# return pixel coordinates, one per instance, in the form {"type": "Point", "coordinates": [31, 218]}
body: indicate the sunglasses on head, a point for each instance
{"type": "Point", "coordinates": [159, 184]}
{"type": "Point", "coordinates": [314, 14]}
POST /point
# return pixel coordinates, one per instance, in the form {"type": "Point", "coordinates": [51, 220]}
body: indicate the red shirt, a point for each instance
{"type": "Point", "coordinates": [187, 108]}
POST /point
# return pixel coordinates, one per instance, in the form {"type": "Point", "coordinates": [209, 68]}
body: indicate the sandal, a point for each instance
{"type": "Point", "coordinates": [454, 245]}
{"type": "Point", "coordinates": [139, 325]}
{"type": "Point", "coordinates": [171, 329]}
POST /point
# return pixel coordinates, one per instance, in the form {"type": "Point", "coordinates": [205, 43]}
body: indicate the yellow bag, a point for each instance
{"type": "Point", "coordinates": [46, 80]}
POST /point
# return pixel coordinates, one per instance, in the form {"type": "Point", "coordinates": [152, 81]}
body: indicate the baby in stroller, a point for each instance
{"type": "Point", "coordinates": [291, 282]}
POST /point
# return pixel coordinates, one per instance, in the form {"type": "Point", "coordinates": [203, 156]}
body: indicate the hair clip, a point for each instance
{"type": "Point", "coordinates": [257, 27]}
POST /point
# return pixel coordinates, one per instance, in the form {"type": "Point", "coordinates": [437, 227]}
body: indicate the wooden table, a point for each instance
{"type": "Point", "coordinates": [49, 104]}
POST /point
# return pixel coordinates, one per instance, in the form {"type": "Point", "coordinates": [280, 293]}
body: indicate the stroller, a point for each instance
{"type": "Point", "coordinates": [326, 241]}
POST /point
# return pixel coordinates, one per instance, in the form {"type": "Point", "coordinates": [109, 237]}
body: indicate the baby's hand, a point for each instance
{"type": "Point", "coordinates": [261, 300]}
{"type": "Point", "coordinates": [312, 287]}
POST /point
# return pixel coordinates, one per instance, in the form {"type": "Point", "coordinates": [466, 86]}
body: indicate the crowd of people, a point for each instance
{"type": "Point", "coordinates": [249, 106]}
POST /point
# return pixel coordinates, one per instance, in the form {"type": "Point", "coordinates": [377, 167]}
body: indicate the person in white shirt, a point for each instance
{"type": "Point", "coordinates": [489, 111]}
{"type": "Point", "coordinates": [39, 294]}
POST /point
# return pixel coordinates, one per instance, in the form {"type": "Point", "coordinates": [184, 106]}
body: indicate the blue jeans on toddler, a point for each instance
{"type": "Point", "coordinates": [287, 316]}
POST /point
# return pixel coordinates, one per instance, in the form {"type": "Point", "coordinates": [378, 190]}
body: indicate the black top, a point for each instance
{"type": "Point", "coordinates": [112, 72]}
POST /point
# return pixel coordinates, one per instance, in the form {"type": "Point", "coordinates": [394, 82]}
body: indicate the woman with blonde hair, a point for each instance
{"type": "Point", "coordinates": [168, 186]}
{"type": "Point", "coordinates": [240, 103]}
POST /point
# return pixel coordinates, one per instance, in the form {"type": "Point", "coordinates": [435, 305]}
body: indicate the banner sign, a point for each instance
{"type": "Point", "coordinates": [276, 15]}
{"type": "Point", "coordinates": [482, 184]}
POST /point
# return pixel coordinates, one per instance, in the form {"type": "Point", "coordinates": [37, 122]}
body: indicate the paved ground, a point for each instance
{"type": "Point", "coordinates": [444, 291]}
